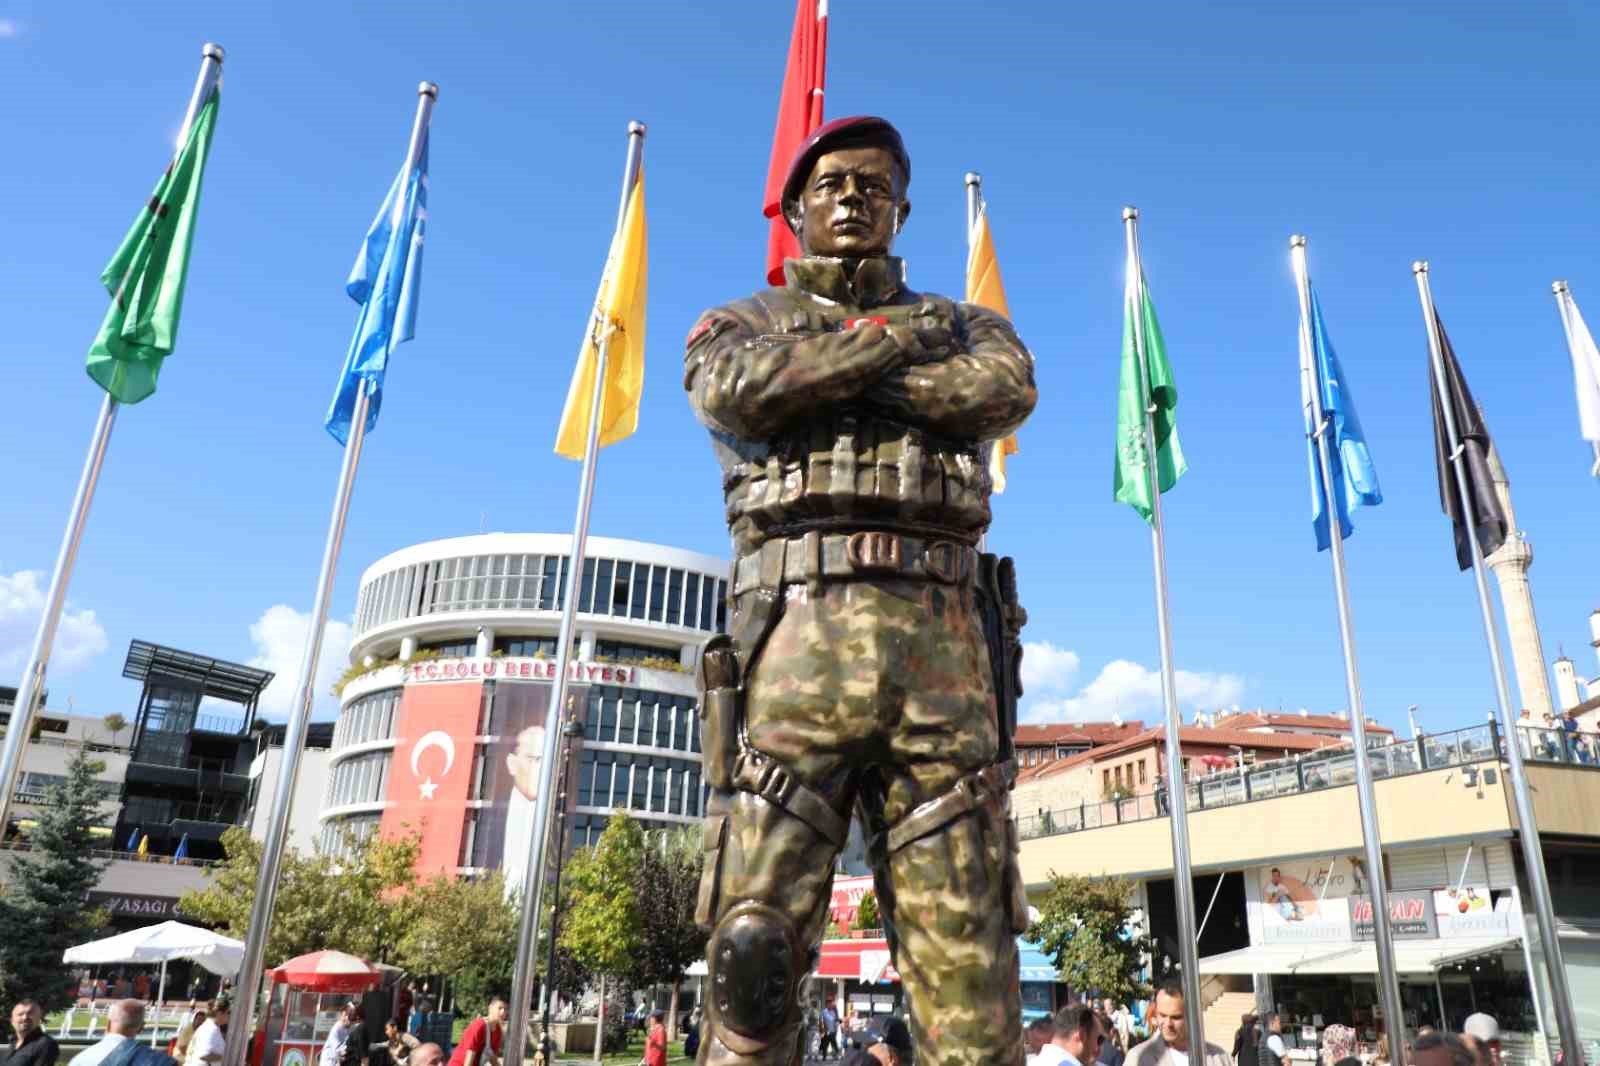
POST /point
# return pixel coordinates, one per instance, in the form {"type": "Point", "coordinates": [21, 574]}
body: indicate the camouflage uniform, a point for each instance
{"type": "Point", "coordinates": [847, 413]}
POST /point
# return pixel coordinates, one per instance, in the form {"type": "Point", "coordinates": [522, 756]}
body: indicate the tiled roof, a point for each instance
{"type": "Point", "coordinates": [1257, 719]}
{"type": "Point", "coordinates": [1187, 735]}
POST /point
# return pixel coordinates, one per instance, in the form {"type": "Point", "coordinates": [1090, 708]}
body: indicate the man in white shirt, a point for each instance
{"type": "Point", "coordinates": [208, 1043]}
{"type": "Point", "coordinates": [120, 1046]}
{"type": "Point", "coordinates": [1170, 1045]}
{"type": "Point", "coordinates": [1036, 1035]}
{"type": "Point", "coordinates": [1077, 1039]}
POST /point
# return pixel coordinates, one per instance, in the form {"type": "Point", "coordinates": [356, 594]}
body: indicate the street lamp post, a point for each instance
{"type": "Point", "coordinates": [570, 731]}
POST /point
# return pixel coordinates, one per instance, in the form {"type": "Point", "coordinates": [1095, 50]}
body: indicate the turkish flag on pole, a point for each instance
{"type": "Point", "coordinates": [799, 113]}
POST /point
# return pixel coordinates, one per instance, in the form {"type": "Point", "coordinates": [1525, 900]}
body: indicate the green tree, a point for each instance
{"type": "Point", "coordinates": [667, 885]}
{"type": "Point", "coordinates": [867, 911]}
{"type": "Point", "coordinates": [114, 724]}
{"type": "Point", "coordinates": [1086, 928]}
{"type": "Point", "coordinates": [466, 929]}
{"type": "Point", "coordinates": [42, 909]}
{"type": "Point", "coordinates": [600, 920]}
{"type": "Point", "coordinates": [357, 904]}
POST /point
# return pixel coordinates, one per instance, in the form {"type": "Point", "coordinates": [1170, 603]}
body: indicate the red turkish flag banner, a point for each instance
{"type": "Point", "coordinates": [430, 773]}
{"type": "Point", "coordinates": [799, 114]}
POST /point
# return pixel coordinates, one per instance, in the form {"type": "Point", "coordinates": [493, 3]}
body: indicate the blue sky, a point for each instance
{"type": "Point", "coordinates": [1458, 133]}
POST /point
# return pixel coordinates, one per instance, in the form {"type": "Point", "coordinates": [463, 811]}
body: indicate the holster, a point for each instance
{"type": "Point", "coordinates": [725, 665]}
{"type": "Point", "coordinates": [1003, 618]}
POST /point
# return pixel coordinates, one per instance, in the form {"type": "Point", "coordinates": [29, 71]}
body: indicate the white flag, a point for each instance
{"type": "Point", "coordinates": [1585, 371]}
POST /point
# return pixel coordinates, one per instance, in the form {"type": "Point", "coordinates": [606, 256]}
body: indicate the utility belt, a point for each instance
{"type": "Point", "coordinates": [816, 556]}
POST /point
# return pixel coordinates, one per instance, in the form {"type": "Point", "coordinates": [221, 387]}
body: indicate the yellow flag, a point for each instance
{"type": "Point", "coordinates": [619, 312]}
{"type": "Point", "coordinates": [985, 289]}
{"type": "Point", "coordinates": [144, 846]}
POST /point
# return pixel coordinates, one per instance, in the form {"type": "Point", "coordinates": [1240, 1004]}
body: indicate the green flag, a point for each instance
{"type": "Point", "coordinates": [145, 277]}
{"type": "Point", "coordinates": [1134, 395]}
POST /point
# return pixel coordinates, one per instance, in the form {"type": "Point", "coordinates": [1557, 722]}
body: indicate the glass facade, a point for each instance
{"type": "Point", "coordinates": [638, 716]}
{"type": "Point", "coordinates": [621, 651]}
{"type": "Point", "coordinates": [369, 718]}
{"type": "Point", "coordinates": [358, 780]}
{"type": "Point", "coordinates": [618, 588]}
{"type": "Point", "coordinates": [339, 838]}
{"type": "Point", "coordinates": [645, 784]}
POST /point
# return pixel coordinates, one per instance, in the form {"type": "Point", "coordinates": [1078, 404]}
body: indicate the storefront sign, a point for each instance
{"type": "Point", "coordinates": [1471, 911]}
{"type": "Point", "coordinates": [1300, 905]}
{"type": "Point", "coordinates": [1410, 916]}
{"type": "Point", "coordinates": [517, 668]}
{"type": "Point", "coordinates": [141, 906]}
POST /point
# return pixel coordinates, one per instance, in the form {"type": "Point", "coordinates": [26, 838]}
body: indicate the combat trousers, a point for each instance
{"type": "Point", "coordinates": [873, 696]}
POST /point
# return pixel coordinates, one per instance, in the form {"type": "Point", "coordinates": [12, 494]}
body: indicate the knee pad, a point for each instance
{"type": "Point", "coordinates": [755, 962]}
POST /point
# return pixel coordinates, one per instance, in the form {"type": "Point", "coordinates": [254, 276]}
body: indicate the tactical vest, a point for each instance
{"type": "Point", "coordinates": [854, 471]}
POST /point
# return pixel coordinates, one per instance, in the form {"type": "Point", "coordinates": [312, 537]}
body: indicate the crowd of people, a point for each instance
{"type": "Point", "coordinates": [1260, 1042]}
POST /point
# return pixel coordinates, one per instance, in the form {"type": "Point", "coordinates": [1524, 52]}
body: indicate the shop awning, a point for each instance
{"type": "Point", "coordinates": [1268, 958]}
{"type": "Point", "coordinates": [1033, 964]}
{"type": "Point", "coordinates": [1411, 956]}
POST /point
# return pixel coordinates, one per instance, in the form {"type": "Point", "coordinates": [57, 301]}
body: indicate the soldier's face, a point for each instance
{"type": "Point", "coordinates": [851, 205]}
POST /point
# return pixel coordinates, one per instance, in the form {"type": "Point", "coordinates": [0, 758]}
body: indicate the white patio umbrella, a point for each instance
{"type": "Point", "coordinates": [157, 944]}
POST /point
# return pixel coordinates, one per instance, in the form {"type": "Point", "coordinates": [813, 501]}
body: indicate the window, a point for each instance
{"type": "Point", "coordinates": [641, 788]}
{"type": "Point", "coordinates": [722, 606]}
{"type": "Point", "coordinates": [586, 591]}
{"type": "Point", "coordinates": [531, 646]}
{"type": "Point", "coordinates": [630, 722]}
{"type": "Point", "coordinates": [691, 600]}
{"type": "Point", "coordinates": [675, 598]}
{"type": "Point", "coordinates": [621, 587]}
{"type": "Point", "coordinates": [547, 584]}
{"type": "Point", "coordinates": [692, 798]}
{"type": "Point", "coordinates": [586, 779]}
{"type": "Point", "coordinates": [622, 651]}
{"type": "Point", "coordinates": [1105, 780]}
{"type": "Point", "coordinates": [641, 591]}
{"type": "Point", "coordinates": [602, 586]}
{"type": "Point", "coordinates": [452, 649]}
{"type": "Point", "coordinates": [1141, 771]}
{"type": "Point", "coordinates": [658, 593]}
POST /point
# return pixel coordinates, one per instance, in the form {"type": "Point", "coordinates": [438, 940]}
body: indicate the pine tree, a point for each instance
{"type": "Point", "coordinates": [42, 908]}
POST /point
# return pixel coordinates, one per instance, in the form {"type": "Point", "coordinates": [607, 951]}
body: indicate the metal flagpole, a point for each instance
{"type": "Point", "coordinates": [1182, 878]}
{"type": "Point", "coordinates": [974, 205]}
{"type": "Point", "coordinates": [294, 736]}
{"type": "Point", "coordinates": [1527, 823]}
{"type": "Point", "coordinates": [30, 689]}
{"type": "Point", "coordinates": [533, 874]}
{"type": "Point", "coordinates": [1389, 981]}
{"type": "Point", "coordinates": [1563, 295]}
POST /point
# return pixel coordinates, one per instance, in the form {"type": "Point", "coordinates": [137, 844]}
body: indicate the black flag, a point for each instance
{"type": "Point", "coordinates": [1482, 504]}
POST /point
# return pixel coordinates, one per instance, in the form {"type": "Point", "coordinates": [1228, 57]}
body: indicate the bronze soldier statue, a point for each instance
{"type": "Point", "coordinates": [872, 657]}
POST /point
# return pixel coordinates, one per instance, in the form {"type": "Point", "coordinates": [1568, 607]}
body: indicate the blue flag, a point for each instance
{"type": "Point", "coordinates": [387, 282]}
{"type": "Point", "coordinates": [133, 841]}
{"type": "Point", "coordinates": [183, 848]}
{"type": "Point", "coordinates": [1355, 480]}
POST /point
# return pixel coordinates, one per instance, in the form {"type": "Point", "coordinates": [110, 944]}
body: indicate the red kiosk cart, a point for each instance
{"type": "Point", "coordinates": [306, 997]}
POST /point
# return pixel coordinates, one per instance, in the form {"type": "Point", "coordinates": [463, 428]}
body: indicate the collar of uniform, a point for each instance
{"type": "Point", "coordinates": [875, 281]}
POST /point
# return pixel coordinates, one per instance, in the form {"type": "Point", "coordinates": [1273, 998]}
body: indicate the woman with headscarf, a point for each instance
{"type": "Point", "coordinates": [1338, 1044]}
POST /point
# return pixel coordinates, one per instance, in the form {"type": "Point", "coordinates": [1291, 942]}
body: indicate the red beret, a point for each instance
{"type": "Point", "coordinates": [856, 131]}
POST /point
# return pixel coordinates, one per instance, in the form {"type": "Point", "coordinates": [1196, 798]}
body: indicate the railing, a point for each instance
{"type": "Point", "coordinates": [1308, 773]}
{"type": "Point", "coordinates": [58, 741]}
{"type": "Point", "coordinates": [1560, 746]}
{"type": "Point", "coordinates": [120, 855]}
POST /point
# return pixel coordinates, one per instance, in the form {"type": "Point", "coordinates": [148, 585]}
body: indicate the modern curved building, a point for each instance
{"type": "Point", "coordinates": [453, 659]}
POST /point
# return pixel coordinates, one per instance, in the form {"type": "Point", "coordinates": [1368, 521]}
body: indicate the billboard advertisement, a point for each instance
{"type": "Point", "coordinates": [1304, 902]}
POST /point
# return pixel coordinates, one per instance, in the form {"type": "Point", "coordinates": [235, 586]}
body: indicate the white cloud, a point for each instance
{"type": "Point", "coordinates": [280, 639]}
{"type": "Point", "coordinates": [79, 637]}
{"type": "Point", "coordinates": [1047, 668]}
{"type": "Point", "coordinates": [9, 28]}
{"type": "Point", "coordinates": [1132, 690]}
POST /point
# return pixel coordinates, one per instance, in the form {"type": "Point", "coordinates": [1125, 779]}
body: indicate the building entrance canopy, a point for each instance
{"type": "Point", "coordinates": [1411, 956]}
